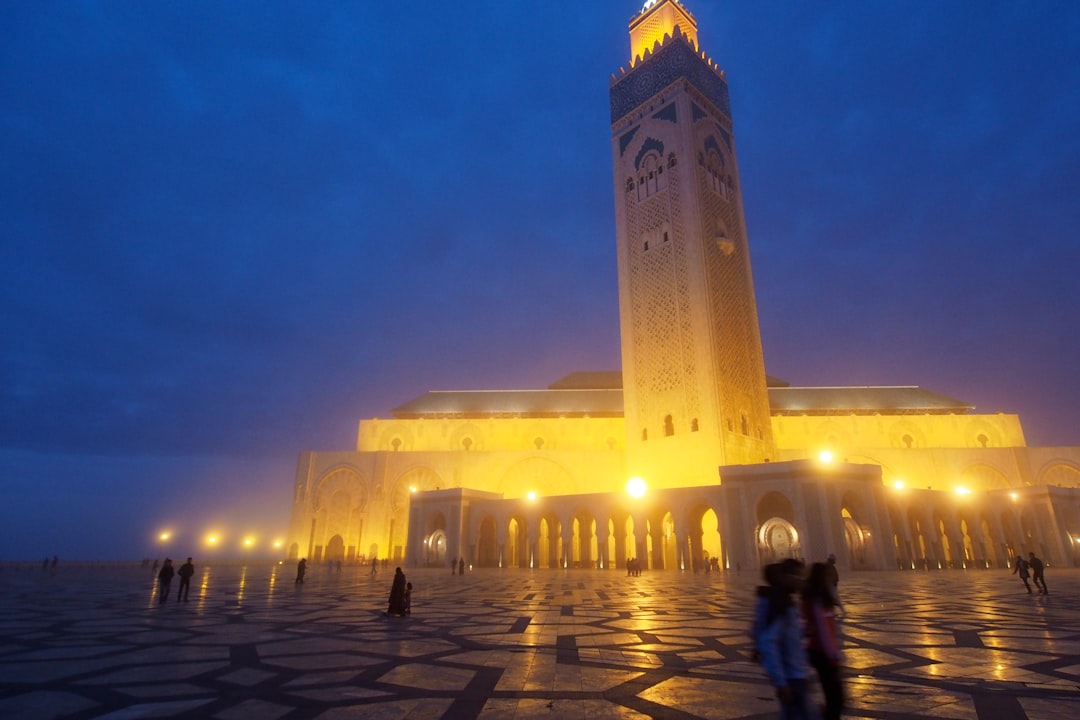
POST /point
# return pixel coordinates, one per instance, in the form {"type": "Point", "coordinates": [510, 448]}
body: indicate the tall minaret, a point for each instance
{"type": "Point", "coordinates": [693, 373]}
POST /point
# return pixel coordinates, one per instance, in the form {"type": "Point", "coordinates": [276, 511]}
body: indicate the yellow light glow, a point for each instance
{"type": "Point", "coordinates": [531, 496]}
{"type": "Point", "coordinates": [898, 484]}
{"type": "Point", "coordinates": [1014, 496]}
{"type": "Point", "coordinates": [636, 487]}
{"type": "Point", "coordinates": [211, 539]}
{"type": "Point", "coordinates": [825, 456]}
{"type": "Point", "coordinates": [412, 488]}
{"type": "Point", "coordinates": [165, 536]}
{"type": "Point", "coordinates": [248, 542]}
{"type": "Point", "coordinates": [277, 543]}
{"type": "Point", "coordinates": [963, 491]}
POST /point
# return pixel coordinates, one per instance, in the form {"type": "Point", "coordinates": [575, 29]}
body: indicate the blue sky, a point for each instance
{"type": "Point", "coordinates": [230, 230]}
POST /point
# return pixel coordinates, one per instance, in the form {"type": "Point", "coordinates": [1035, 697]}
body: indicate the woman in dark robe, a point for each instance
{"type": "Point", "coordinates": [397, 594]}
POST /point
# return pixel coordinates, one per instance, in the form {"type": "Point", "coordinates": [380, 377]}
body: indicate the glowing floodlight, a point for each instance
{"type": "Point", "coordinates": [1014, 496]}
{"type": "Point", "coordinates": [531, 496]}
{"type": "Point", "coordinates": [898, 484]}
{"type": "Point", "coordinates": [277, 543]}
{"type": "Point", "coordinates": [211, 539]}
{"type": "Point", "coordinates": [962, 491]}
{"type": "Point", "coordinates": [412, 488]}
{"type": "Point", "coordinates": [825, 456]}
{"type": "Point", "coordinates": [164, 536]}
{"type": "Point", "coordinates": [636, 487]}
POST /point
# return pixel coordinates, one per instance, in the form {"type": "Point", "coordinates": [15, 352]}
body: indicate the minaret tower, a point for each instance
{"type": "Point", "coordinates": [693, 372]}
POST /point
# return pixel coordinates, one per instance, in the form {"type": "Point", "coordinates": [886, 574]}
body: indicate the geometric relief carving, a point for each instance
{"type": "Point", "coordinates": [420, 478]}
{"type": "Point", "coordinates": [341, 486]}
{"type": "Point", "coordinates": [984, 477]}
{"type": "Point", "coordinates": [661, 320]}
{"type": "Point", "coordinates": [1060, 474]}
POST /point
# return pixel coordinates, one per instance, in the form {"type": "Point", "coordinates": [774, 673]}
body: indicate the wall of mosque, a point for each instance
{"type": "Point", "coordinates": [349, 505]}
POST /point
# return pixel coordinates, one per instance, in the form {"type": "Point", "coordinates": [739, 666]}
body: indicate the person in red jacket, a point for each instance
{"type": "Point", "coordinates": [823, 638]}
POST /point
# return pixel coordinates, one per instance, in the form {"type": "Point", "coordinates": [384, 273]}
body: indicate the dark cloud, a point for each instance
{"type": "Point", "coordinates": [230, 231]}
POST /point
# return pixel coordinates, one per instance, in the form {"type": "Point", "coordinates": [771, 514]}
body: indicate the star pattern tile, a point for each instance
{"type": "Point", "coordinates": [93, 642]}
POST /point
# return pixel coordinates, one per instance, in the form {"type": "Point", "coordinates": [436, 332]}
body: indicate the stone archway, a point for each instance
{"type": "Point", "coordinates": [335, 550]}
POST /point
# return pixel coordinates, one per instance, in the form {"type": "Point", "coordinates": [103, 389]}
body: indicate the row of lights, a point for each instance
{"type": "Point", "coordinates": [635, 487]}
{"type": "Point", "coordinates": [826, 457]}
{"type": "Point", "coordinates": [213, 540]}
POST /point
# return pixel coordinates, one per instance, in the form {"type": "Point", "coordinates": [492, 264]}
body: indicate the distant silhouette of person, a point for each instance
{"type": "Point", "coordinates": [301, 568]}
{"type": "Point", "coordinates": [165, 576]}
{"type": "Point", "coordinates": [408, 598]}
{"type": "Point", "coordinates": [396, 605]}
{"type": "Point", "coordinates": [1020, 567]}
{"type": "Point", "coordinates": [374, 566]}
{"type": "Point", "coordinates": [157, 563]}
{"type": "Point", "coordinates": [1037, 570]}
{"type": "Point", "coordinates": [185, 572]}
{"type": "Point", "coordinates": [453, 566]}
{"type": "Point", "coordinates": [55, 561]}
{"type": "Point", "coordinates": [45, 563]}
{"type": "Point", "coordinates": [461, 566]}
{"type": "Point", "coordinates": [832, 576]}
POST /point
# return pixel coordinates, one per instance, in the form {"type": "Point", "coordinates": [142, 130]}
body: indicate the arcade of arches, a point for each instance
{"type": "Point", "coordinates": [746, 523]}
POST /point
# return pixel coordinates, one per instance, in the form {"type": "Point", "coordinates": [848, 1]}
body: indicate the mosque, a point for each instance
{"type": "Point", "coordinates": [691, 457]}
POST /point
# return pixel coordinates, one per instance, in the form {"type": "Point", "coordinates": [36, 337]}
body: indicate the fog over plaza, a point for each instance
{"type": "Point", "coordinates": [231, 231]}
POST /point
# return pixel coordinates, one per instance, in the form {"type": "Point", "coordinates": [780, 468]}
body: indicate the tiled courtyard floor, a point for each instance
{"type": "Point", "coordinates": [85, 642]}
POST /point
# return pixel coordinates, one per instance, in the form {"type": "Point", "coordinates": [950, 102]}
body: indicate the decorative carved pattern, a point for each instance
{"type": "Point", "coordinates": [676, 60]}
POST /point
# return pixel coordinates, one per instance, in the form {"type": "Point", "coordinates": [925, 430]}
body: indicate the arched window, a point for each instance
{"type": "Point", "coordinates": [651, 177]}
{"type": "Point", "coordinates": [669, 426]}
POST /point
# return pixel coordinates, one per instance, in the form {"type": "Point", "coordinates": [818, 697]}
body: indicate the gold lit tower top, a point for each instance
{"type": "Point", "coordinates": [657, 19]}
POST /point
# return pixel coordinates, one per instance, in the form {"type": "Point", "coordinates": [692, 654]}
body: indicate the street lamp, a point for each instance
{"type": "Point", "coordinates": [636, 487]}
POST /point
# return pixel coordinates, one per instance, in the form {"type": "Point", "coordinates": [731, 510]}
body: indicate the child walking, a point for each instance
{"type": "Point", "coordinates": [408, 598]}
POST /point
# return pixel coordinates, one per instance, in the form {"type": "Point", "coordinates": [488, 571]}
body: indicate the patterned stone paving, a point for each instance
{"type": "Point", "coordinates": [86, 642]}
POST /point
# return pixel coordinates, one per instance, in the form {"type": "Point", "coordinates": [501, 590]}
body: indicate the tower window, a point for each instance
{"type": "Point", "coordinates": [396, 443]}
{"type": "Point", "coordinates": [651, 179]}
{"type": "Point", "coordinates": [908, 441]}
{"type": "Point", "coordinates": [669, 426]}
{"type": "Point", "coordinates": [671, 160]}
{"type": "Point", "coordinates": [693, 425]}
{"type": "Point", "coordinates": [539, 443]}
{"type": "Point", "coordinates": [745, 426]}
{"type": "Point", "coordinates": [644, 433]}
{"type": "Point", "coordinates": [983, 440]}
{"type": "Point", "coordinates": [467, 443]}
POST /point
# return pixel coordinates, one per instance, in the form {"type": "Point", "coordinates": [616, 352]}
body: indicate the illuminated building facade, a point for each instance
{"type": "Point", "coordinates": [735, 465]}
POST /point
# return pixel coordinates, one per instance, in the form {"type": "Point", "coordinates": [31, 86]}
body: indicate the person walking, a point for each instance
{"type": "Point", "coordinates": [301, 570]}
{"type": "Point", "coordinates": [832, 576]}
{"type": "Point", "coordinates": [823, 647]}
{"type": "Point", "coordinates": [396, 605]}
{"type": "Point", "coordinates": [778, 634]}
{"type": "Point", "coordinates": [408, 598]}
{"type": "Point", "coordinates": [1038, 567]}
{"type": "Point", "coordinates": [1020, 567]}
{"type": "Point", "coordinates": [164, 577]}
{"type": "Point", "coordinates": [374, 567]}
{"type": "Point", "coordinates": [185, 572]}
{"type": "Point", "coordinates": [461, 566]}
